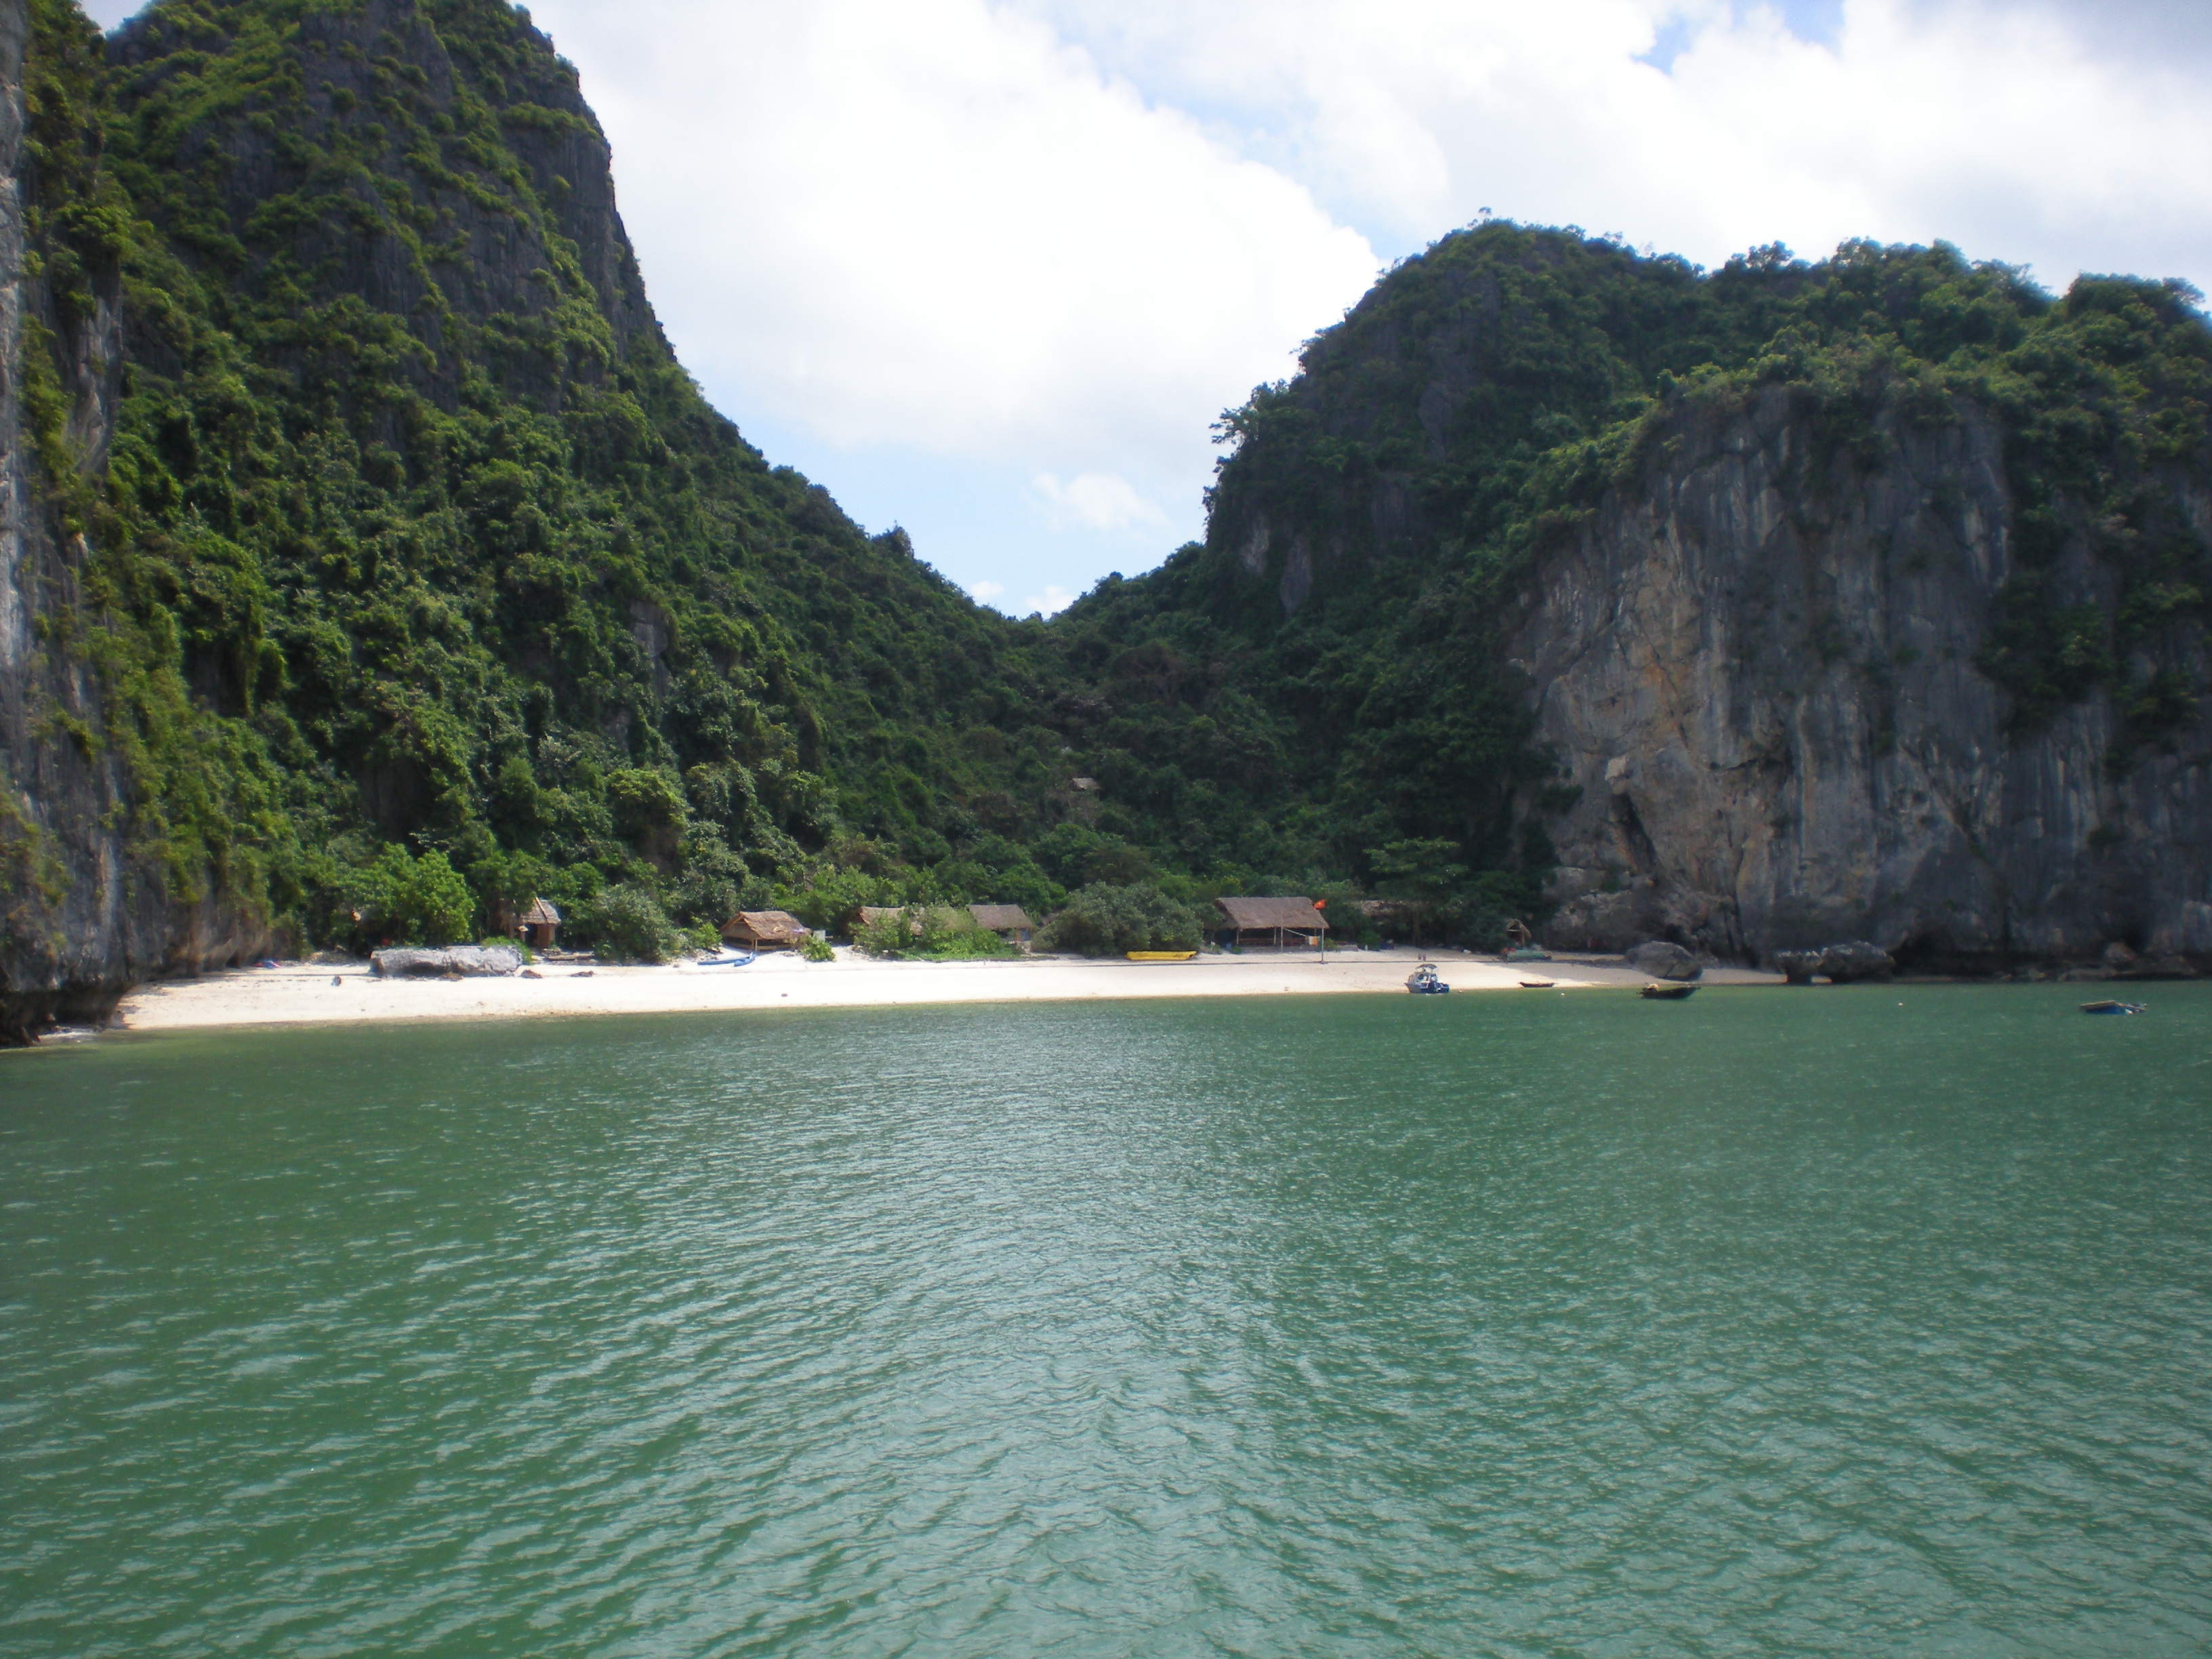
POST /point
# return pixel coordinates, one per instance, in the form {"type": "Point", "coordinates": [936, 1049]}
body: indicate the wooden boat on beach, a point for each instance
{"type": "Point", "coordinates": [1162, 956]}
{"type": "Point", "coordinates": [1535, 984]}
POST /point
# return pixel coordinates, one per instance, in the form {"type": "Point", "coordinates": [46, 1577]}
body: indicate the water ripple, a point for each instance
{"type": "Point", "coordinates": [1766, 1324]}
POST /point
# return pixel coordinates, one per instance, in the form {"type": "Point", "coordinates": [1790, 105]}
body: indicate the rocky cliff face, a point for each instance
{"type": "Point", "coordinates": [83, 914]}
{"type": "Point", "coordinates": [354, 165]}
{"type": "Point", "coordinates": [1758, 664]}
{"type": "Point", "coordinates": [1757, 610]}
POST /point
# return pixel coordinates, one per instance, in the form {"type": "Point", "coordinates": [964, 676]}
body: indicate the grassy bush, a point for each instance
{"type": "Point", "coordinates": [815, 950]}
{"type": "Point", "coordinates": [976, 945]}
{"type": "Point", "coordinates": [627, 924]}
{"type": "Point", "coordinates": [932, 932]}
{"type": "Point", "coordinates": [400, 900]}
{"type": "Point", "coordinates": [1105, 920]}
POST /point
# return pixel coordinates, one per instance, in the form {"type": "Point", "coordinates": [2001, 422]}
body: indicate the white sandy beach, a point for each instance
{"type": "Point", "coordinates": [299, 995]}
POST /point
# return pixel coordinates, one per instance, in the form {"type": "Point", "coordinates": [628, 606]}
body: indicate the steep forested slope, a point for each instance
{"type": "Point", "coordinates": [1387, 523]}
{"type": "Point", "coordinates": [404, 528]}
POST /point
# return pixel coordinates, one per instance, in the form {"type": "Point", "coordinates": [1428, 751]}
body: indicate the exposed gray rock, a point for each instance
{"type": "Point", "coordinates": [1848, 964]}
{"type": "Point", "coordinates": [1756, 659]}
{"type": "Point", "coordinates": [1797, 966]}
{"type": "Point", "coordinates": [462, 961]}
{"type": "Point", "coordinates": [85, 911]}
{"type": "Point", "coordinates": [1664, 961]}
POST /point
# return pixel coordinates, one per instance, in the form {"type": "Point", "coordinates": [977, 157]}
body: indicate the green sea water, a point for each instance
{"type": "Point", "coordinates": [1824, 1321]}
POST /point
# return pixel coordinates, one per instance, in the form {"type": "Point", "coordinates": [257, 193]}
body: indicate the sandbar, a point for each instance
{"type": "Point", "coordinates": [306, 994]}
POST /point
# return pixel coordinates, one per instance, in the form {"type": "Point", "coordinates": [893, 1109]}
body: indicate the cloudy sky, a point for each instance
{"type": "Point", "coordinates": [990, 270]}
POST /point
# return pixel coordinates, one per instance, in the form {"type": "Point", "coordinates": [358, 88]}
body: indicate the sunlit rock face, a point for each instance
{"type": "Point", "coordinates": [70, 918]}
{"type": "Point", "coordinates": [1756, 665]}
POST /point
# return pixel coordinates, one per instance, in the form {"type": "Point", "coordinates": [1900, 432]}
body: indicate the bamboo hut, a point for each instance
{"type": "Point", "coordinates": [1009, 921]}
{"type": "Point", "coordinates": [764, 930]}
{"type": "Point", "coordinates": [1276, 921]}
{"type": "Point", "coordinates": [540, 926]}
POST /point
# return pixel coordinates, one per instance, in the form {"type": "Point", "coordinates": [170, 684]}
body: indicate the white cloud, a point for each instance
{"type": "Point", "coordinates": [1097, 500]}
{"type": "Point", "coordinates": [927, 223]}
{"type": "Point", "coordinates": [984, 592]}
{"type": "Point", "coordinates": [1050, 603]}
{"type": "Point", "coordinates": [2051, 131]}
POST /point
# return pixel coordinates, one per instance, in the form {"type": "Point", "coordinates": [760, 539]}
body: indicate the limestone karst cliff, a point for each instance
{"type": "Point", "coordinates": [364, 536]}
{"type": "Point", "coordinates": [1757, 662]}
{"type": "Point", "coordinates": [86, 908]}
{"type": "Point", "coordinates": [1755, 610]}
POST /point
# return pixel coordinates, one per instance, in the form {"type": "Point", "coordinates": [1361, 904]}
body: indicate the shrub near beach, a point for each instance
{"type": "Point", "coordinates": [399, 900]}
{"type": "Point", "coordinates": [934, 932]}
{"type": "Point", "coordinates": [626, 924]}
{"type": "Point", "coordinates": [1105, 920]}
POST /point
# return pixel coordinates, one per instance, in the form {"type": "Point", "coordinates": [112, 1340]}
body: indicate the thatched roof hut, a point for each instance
{"type": "Point", "coordinates": [539, 925]}
{"type": "Point", "coordinates": [1276, 920]}
{"type": "Point", "coordinates": [1010, 921]}
{"type": "Point", "coordinates": [764, 930]}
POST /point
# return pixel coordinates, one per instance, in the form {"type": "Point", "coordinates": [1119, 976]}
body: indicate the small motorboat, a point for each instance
{"type": "Point", "coordinates": [1535, 984]}
{"type": "Point", "coordinates": [744, 961]}
{"type": "Point", "coordinates": [1424, 982]}
{"type": "Point", "coordinates": [1671, 992]}
{"type": "Point", "coordinates": [2111, 1007]}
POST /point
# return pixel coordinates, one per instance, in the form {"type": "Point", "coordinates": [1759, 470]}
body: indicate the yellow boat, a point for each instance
{"type": "Point", "coordinates": [1162, 956]}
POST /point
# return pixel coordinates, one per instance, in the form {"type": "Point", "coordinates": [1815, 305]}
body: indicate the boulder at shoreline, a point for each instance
{"type": "Point", "coordinates": [445, 961]}
{"type": "Point", "coordinates": [1664, 961]}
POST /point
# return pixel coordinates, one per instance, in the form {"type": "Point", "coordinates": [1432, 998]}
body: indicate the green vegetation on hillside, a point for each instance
{"type": "Point", "coordinates": [1472, 411]}
{"type": "Point", "coordinates": [423, 580]}
{"type": "Point", "coordinates": [393, 558]}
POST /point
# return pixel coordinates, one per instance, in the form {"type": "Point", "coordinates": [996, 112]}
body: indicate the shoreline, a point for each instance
{"type": "Point", "coordinates": [301, 993]}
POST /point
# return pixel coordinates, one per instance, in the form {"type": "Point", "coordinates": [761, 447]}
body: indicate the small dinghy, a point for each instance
{"type": "Point", "coordinates": [744, 961]}
{"type": "Point", "coordinates": [1535, 984]}
{"type": "Point", "coordinates": [1425, 982]}
{"type": "Point", "coordinates": [1670, 993]}
{"type": "Point", "coordinates": [2111, 1007]}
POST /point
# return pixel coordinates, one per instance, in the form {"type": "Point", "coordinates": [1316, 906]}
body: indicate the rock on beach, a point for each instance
{"type": "Point", "coordinates": [1664, 961]}
{"type": "Point", "coordinates": [448, 961]}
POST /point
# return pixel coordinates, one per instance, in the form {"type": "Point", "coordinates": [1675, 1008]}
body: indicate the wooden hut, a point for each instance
{"type": "Point", "coordinates": [540, 926]}
{"type": "Point", "coordinates": [1009, 921]}
{"type": "Point", "coordinates": [1276, 921]}
{"type": "Point", "coordinates": [764, 930]}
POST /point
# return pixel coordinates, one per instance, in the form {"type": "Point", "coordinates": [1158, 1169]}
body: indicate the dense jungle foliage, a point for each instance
{"type": "Point", "coordinates": [425, 580]}
{"type": "Point", "coordinates": [412, 534]}
{"type": "Point", "coordinates": [1320, 686]}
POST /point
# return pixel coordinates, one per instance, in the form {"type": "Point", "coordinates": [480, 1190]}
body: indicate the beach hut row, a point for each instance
{"type": "Point", "coordinates": [1277, 921]}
